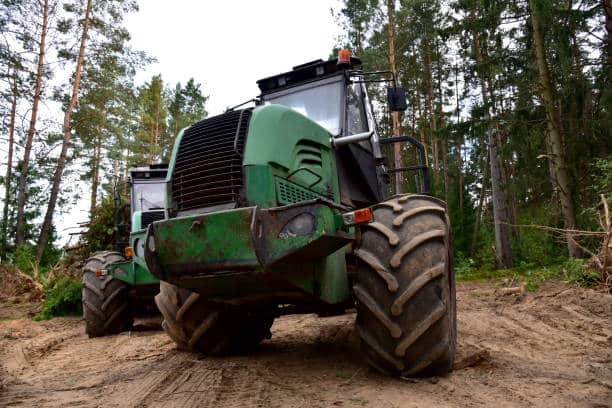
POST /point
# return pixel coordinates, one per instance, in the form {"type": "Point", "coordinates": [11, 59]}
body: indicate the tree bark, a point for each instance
{"type": "Point", "coordinates": [500, 213]}
{"type": "Point", "coordinates": [445, 169]}
{"type": "Point", "coordinates": [420, 119]}
{"type": "Point", "coordinates": [61, 163]}
{"type": "Point", "coordinates": [608, 16]}
{"type": "Point", "coordinates": [481, 200]}
{"type": "Point", "coordinates": [25, 163]}
{"type": "Point", "coordinates": [397, 148]}
{"type": "Point", "coordinates": [429, 106]}
{"type": "Point", "coordinates": [96, 175]}
{"type": "Point", "coordinates": [460, 173]}
{"type": "Point", "coordinates": [9, 167]}
{"type": "Point", "coordinates": [444, 141]}
{"type": "Point", "coordinates": [556, 154]}
{"type": "Point", "coordinates": [459, 150]}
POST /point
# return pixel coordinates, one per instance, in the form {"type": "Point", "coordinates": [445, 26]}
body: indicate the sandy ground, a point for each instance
{"type": "Point", "coordinates": [551, 348]}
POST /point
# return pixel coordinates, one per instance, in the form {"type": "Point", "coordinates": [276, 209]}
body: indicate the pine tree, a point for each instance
{"type": "Point", "coordinates": [106, 17]}
{"type": "Point", "coordinates": [25, 162]}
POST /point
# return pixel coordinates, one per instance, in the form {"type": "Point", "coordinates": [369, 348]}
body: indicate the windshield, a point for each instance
{"type": "Point", "coordinates": [148, 196]}
{"type": "Point", "coordinates": [322, 103]}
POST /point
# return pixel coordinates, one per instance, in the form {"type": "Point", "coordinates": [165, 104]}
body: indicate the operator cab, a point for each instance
{"type": "Point", "coordinates": [333, 94]}
{"type": "Point", "coordinates": [148, 201]}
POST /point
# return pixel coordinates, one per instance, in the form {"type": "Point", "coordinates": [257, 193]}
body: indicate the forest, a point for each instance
{"type": "Point", "coordinates": [77, 63]}
{"type": "Point", "coordinates": [512, 100]}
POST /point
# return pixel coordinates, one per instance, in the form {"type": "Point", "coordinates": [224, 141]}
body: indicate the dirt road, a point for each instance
{"type": "Point", "coordinates": [551, 348]}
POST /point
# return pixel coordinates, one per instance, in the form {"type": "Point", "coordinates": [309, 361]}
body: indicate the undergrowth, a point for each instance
{"type": "Point", "coordinates": [571, 271]}
{"type": "Point", "coordinates": [62, 298]}
{"type": "Point", "coordinates": [60, 281]}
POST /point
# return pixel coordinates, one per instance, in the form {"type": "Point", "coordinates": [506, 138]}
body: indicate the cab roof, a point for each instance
{"type": "Point", "coordinates": [310, 71]}
{"type": "Point", "coordinates": [154, 171]}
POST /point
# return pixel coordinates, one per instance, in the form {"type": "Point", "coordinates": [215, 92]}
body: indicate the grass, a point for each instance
{"type": "Point", "coordinates": [571, 271]}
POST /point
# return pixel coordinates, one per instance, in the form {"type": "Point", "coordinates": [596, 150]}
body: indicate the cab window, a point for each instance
{"type": "Point", "coordinates": [356, 119]}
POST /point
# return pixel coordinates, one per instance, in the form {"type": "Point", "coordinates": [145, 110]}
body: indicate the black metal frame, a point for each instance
{"type": "Point", "coordinates": [426, 187]}
{"type": "Point", "coordinates": [371, 73]}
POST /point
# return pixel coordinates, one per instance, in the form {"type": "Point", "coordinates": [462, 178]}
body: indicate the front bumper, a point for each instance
{"type": "Point", "coordinates": [243, 240]}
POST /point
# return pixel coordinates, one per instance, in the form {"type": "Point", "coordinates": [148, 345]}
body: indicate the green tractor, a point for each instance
{"type": "Point", "coordinates": [117, 285]}
{"type": "Point", "coordinates": [284, 208]}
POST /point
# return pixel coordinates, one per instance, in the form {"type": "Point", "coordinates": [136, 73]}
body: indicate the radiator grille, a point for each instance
{"type": "Point", "coordinates": [147, 217]}
{"type": "Point", "coordinates": [208, 167]}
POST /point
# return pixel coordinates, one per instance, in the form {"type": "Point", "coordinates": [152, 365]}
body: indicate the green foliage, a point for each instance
{"type": "Point", "coordinates": [602, 176]}
{"type": "Point", "coordinates": [533, 245]}
{"type": "Point", "coordinates": [571, 271]}
{"type": "Point", "coordinates": [25, 258]}
{"type": "Point", "coordinates": [62, 298]}
{"type": "Point", "coordinates": [101, 232]}
{"type": "Point", "coordinates": [185, 106]}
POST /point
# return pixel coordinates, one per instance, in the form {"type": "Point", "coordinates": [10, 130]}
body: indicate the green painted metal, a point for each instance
{"type": "Point", "coordinates": [208, 239]}
{"type": "Point", "coordinates": [132, 273]}
{"type": "Point", "coordinates": [259, 185]}
{"type": "Point", "coordinates": [289, 193]}
{"type": "Point", "coordinates": [332, 278]}
{"type": "Point", "coordinates": [172, 162]}
{"type": "Point", "coordinates": [255, 242]}
{"type": "Point", "coordinates": [293, 147]}
{"type": "Point", "coordinates": [137, 221]}
{"type": "Point", "coordinates": [282, 246]}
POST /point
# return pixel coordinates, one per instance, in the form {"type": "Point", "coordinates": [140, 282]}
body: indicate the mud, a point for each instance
{"type": "Point", "coordinates": [551, 348]}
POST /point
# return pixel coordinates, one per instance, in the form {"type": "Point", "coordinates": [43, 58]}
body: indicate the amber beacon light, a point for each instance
{"type": "Point", "coordinates": [344, 56]}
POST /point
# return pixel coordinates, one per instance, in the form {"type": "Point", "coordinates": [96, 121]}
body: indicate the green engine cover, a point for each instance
{"type": "Point", "coordinates": [287, 159]}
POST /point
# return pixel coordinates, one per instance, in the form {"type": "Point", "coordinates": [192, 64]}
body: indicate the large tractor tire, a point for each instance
{"type": "Point", "coordinates": [405, 290]}
{"type": "Point", "coordinates": [106, 307]}
{"type": "Point", "coordinates": [198, 324]}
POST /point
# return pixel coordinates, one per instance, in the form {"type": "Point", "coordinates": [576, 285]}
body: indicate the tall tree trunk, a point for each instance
{"type": "Point", "coordinates": [420, 120]}
{"type": "Point", "coordinates": [429, 106]}
{"type": "Point", "coordinates": [25, 163]}
{"type": "Point", "coordinates": [445, 169]}
{"type": "Point", "coordinates": [481, 200]}
{"type": "Point", "coordinates": [96, 175]}
{"type": "Point", "coordinates": [559, 175]}
{"type": "Point", "coordinates": [608, 16]}
{"type": "Point", "coordinates": [460, 174]}
{"type": "Point", "coordinates": [444, 141]}
{"type": "Point", "coordinates": [61, 163]}
{"type": "Point", "coordinates": [397, 148]}
{"type": "Point", "coordinates": [9, 167]}
{"type": "Point", "coordinates": [459, 150]}
{"type": "Point", "coordinates": [500, 213]}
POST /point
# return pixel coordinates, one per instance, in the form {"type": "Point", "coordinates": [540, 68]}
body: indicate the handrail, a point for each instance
{"type": "Point", "coordinates": [422, 156]}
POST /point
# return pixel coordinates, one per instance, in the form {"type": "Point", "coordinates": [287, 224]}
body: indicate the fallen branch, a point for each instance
{"type": "Point", "coordinates": [513, 290]}
{"type": "Point", "coordinates": [573, 232]}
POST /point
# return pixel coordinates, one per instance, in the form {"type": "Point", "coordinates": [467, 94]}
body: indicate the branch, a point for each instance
{"type": "Point", "coordinates": [573, 232]}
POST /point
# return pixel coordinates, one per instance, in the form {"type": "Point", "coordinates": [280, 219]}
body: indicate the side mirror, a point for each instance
{"type": "Point", "coordinates": [396, 98]}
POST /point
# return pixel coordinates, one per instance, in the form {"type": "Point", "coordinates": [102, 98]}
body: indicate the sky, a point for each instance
{"type": "Point", "coordinates": [228, 45]}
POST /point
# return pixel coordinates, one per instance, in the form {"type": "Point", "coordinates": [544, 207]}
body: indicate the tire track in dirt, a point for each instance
{"type": "Point", "coordinates": [551, 348]}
